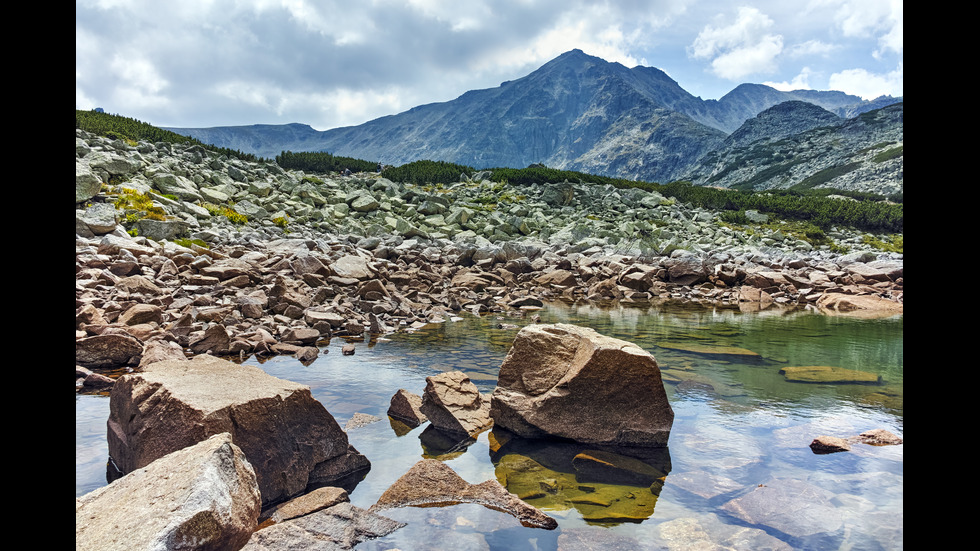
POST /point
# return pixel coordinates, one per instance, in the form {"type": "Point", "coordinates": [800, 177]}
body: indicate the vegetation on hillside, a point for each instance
{"type": "Point", "coordinates": [133, 131]}
{"type": "Point", "coordinates": [321, 161]}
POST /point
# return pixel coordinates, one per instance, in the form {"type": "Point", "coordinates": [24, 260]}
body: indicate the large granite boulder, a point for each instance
{"type": "Point", "coordinates": [573, 383]}
{"type": "Point", "coordinates": [289, 437]}
{"type": "Point", "coordinates": [203, 497]}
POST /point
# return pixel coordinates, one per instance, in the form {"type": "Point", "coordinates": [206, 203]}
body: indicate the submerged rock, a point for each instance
{"type": "Point", "coordinates": [573, 383]}
{"type": "Point", "coordinates": [828, 374]}
{"type": "Point", "coordinates": [604, 487]}
{"type": "Point", "coordinates": [707, 532]}
{"type": "Point", "coordinates": [790, 506]}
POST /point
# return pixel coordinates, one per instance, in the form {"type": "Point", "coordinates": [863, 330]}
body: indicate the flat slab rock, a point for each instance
{"type": "Point", "coordinates": [829, 374]}
{"type": "Point", "coordinates": [791, 506]}
{"type": "Point", "coordinates": [341, 526]}
{"type": "Point", "coordinates": [289, 437]}
{"type": "Point", "coordinates": [431, 482]}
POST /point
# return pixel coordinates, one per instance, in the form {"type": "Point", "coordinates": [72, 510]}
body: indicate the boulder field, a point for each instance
{"type": "Point", "coordinates": [186, 259]}
{"type": "Point", "coordinates": [181, 251]}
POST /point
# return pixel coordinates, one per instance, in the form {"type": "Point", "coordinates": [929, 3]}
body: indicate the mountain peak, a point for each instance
{"type": "Point", "coordinates": [575, 112]}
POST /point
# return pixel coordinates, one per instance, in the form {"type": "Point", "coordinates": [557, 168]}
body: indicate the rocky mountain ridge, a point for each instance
{"type": "Point", "coordinates": [799, 144]}
{"type": "Point", "coordinates": [576, 112]}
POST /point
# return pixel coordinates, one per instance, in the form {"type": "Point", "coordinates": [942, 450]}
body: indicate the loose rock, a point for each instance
{"type": "Point", "coordinates": [204, 496]}
{"type": "Point", "coordinates": [431, 482]}
{"type": "Point", "coordinates": [454, 405]}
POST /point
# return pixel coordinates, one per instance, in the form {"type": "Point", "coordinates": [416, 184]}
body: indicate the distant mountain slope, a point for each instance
{"type": "Point", "coordinates": [780, 121]}
{"type": "Point", "coordinates": [264, 140]}
{"type": "Point", "coordinates": [576, 112]}
{"type": "Point", "coordinates": [798, 144]}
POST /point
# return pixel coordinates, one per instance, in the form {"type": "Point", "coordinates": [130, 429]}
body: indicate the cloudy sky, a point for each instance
{"type": "Point", "coordinates": [330, 63]}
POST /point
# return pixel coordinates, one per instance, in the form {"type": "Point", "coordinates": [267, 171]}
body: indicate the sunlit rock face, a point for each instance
{"type": "Point", "coordinates": [570, 382]}
{"type": "Point", "coordinates": [290, 438]}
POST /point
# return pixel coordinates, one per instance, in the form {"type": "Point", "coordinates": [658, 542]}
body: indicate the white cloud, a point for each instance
{"type": "Point", "coordinates": [742, 48]}
{"type": "Point", "coordinates": [340, 62]}
{"type": "Point", "coordinates": [861, 82]}
{"type": "Point", "coordinates": [799, 82]}
{"type": "Point", "coordinates": [812, 47]}
{"type": "Point", "coordinates": [881, 20]}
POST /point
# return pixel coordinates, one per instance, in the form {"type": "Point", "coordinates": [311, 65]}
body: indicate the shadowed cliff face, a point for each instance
{"type": "Point", "coordinates": [576, 112]}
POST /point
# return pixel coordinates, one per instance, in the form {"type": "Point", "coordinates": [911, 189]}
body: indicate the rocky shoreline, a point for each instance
{"type": "Point", "coordinates": [182, 254]}
{"type": "Point", "coordinates": [295, 258]}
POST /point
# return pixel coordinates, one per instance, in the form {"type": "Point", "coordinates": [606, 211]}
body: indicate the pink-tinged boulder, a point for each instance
{"type": "Point", "coordinates": [841, 302]}
{"type": "Point", "coordinates": [109, 350]}
{"type": "Point", "coordinates": [432, 483]}
{"type": "Point", "coordinates": [454, 405]}
{"type": "Point", "coordinates": [142, 313]}
{"type": "Point", "coordinates": [160, 350]}
{"type": "Point", "coordinates": [406, 406]}
{"type": "Point", "coordinates": [289, 438]}
{"type": "Point", "coordinates": [201, 497]}
{"type": "Point", "coordinates": [571, 382]}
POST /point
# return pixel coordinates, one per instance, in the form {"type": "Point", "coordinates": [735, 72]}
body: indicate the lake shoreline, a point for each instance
{"type": "Point", "coordinates": [137, 298]}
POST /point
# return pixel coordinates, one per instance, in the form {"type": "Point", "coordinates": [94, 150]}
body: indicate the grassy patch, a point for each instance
{"type": "Point", "coordinates": [890, 244]}
{"type": "Point", "coordinates": [227, 212]}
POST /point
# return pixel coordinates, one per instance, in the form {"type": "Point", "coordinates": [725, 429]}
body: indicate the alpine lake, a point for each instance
{"type": "Point", "coordinates": [743, 423]}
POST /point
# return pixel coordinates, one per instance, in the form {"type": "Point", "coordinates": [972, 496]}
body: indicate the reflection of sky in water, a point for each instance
{"type": "Point", "coordinates": [737, 420]}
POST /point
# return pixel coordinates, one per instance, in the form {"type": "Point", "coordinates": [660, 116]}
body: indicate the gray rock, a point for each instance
{"type": "Point", "coordinates": [341, 526]}
{"type": "Point", "coordinates": [160, 230]}
{"type": "Point", "coordinates": [100, 218]}
{"type": "Point", "coordinates": [176, 185]}
{"type": "Point", "coordinates": [204, 496]}
{"type": "Point", "coordinates": [87, 183]}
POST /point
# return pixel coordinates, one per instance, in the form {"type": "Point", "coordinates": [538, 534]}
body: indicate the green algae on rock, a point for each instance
{"type": "Point", "coordinates": [709, 349]}
{"type": "Point", "coordinates": [829, 374]}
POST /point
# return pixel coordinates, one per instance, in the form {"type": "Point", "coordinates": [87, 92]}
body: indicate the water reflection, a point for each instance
{"type": "Point", "coordinates": [738, 423]}
{"type": "Point", "coordinates": [606, 487]}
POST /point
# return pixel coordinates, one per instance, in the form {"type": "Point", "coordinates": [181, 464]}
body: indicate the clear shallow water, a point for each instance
{"type": "Point", "coordinates": [738, 423]}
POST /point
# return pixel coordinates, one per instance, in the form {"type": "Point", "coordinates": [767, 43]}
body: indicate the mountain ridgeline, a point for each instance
{"type": "Point", "coordinates": [579, 112]}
